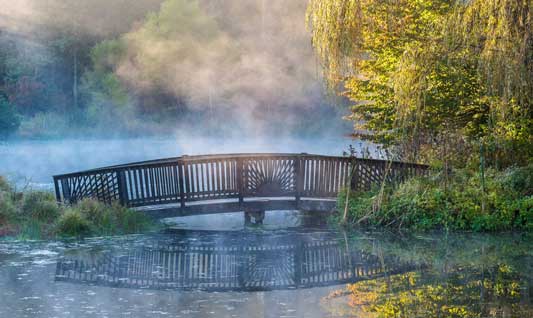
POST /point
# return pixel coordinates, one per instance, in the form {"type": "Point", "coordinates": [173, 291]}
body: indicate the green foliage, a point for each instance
{"type": "Point", "coordinates": [4, 185]}
{"type": "Point", "coordinates": [9, 120]}
{"type": "Point", "coordinates": [40, 206]}
{"type": "Point", "coordinates": [73, 223]}
{"type": "Point", "coordinates": [453, 203]}
{"type": "Point", "coordinates": [101, 219]}
{"type": "Point", "coordinates": [37, 215]}
{"type": "Point", "coordinates": [8, 210]}
{"type": "Point", "coordinates": [453, 275]}
{"type": "Point", "coordinates": [100, 85]}
{"type": "Point", "coordinates": [106, 55]}
{"type": "Point", "coordinates": [520, 180]}
{"type": "Point", "coordinates": [466, 293]}
{"type": "Point", "coordinates": [111, 219]}
{"type": "Point", "coordinates": [434, 78]}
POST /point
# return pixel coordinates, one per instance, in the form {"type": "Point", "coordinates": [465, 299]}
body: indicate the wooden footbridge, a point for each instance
{"type": "Point", "coordinates": [247, 262]}
{"type": "Point", "coordinates": [227, 183]}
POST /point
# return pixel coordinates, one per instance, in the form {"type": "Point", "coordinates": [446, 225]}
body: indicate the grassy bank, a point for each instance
{"type": "Point", "coordinates": [463, 200]}
{"type": "Point", "coordinates": [36, 215]}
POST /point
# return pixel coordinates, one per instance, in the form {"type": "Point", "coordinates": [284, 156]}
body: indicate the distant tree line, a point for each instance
{"type": "Point", "coordinates": [153, 66]}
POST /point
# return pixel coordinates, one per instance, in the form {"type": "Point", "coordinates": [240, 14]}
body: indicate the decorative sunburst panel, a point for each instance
{"type": "Point", "coordinates": [269, 177]}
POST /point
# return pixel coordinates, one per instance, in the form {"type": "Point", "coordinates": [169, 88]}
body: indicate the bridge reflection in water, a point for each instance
{"type": "Point", "coordinates": [237, 261]}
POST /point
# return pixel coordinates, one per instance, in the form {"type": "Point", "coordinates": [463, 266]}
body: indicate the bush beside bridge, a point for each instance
{"type": "Point", "coordinates": [460, 201]}
{"type": "Point", "coordinates": [36, 215]}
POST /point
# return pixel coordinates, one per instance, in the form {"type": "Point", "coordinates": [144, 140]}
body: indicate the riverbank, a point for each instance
{"type": "Point", "coordinates": [36, 215]}
{"type": "Point", "coordinates": [459, 201]}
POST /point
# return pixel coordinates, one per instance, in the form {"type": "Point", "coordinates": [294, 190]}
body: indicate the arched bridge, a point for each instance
{"type": "Point", "coordinates": [234, 182]}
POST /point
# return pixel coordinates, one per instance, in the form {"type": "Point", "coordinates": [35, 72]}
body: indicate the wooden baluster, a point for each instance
{"type": "Point", "coordinates": [66, 190]}
{"type": "Point", "coordinates": [182, 180]}
{"type": "Point", "coordinates": [122, 191]}
{"type": "Point", "coordinates": [298, 176]}
{"type": "Point", "coordinates": [56, 188]}
{"type": "Point", "coordinates": [240, 181]}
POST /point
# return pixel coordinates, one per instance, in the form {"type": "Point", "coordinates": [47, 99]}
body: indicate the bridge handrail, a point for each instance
{"type": "Point", "coordinates": [226, 156]}
{"type": "Point", "coordinates": [206, 177]}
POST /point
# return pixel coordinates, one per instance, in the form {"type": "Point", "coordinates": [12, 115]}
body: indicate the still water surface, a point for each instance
{"type": "Point", "coordinates": [292, 266]}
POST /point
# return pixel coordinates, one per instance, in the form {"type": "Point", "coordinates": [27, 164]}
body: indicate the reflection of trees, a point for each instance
{"type": "Point", "coordinates": [499, 292]}
{"type": "Point", "coordinates": [444, 252]}
{"type": "Point", "coordinates": [467, 276]}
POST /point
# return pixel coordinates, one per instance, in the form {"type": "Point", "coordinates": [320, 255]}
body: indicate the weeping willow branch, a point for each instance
{"type": "Point", "coordinates": [416, 68]}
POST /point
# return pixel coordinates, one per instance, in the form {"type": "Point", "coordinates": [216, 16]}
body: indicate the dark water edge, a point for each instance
{"type": "Point", "coordinates": [305, 270]}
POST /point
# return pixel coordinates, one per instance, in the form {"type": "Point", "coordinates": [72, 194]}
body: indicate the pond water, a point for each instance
{"type": "Point", "coordinates": [294, 265]}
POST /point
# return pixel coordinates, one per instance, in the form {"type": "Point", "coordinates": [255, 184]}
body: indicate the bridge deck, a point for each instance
{"type": "Point", "coordinates": [227, 205]}
{"type": "Point", "coordinates": [296, 180]}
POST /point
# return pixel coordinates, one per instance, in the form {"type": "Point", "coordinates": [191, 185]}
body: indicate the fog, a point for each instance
{"type": "Point", "coordinates": [245, 67]}
{"type": "Point", "coordinates": [33, 163]}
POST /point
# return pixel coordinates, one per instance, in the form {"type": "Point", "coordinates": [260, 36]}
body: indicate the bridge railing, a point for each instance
{"type": "Point", "coordinates": [238, 176]}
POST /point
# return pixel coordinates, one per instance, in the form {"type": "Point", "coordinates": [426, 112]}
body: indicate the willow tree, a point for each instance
{"type": "Point", "coordinates": [500, 34]}
{"type": "Point", "coordinates": [421, 71]}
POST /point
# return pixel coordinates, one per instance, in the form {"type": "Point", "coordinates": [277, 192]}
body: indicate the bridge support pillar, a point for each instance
{"type": "Point", "coordinates": [257, 215]}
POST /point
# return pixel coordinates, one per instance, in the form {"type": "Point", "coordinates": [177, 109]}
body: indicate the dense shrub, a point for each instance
{"type": "Point", "coordinates": [40, 206]}
{"type": "Point", "coordinates": [111, 219]}
{"type": "Point", "coordinates": [4, 185]}
{"type": "Point", "coordinates": [7, 209]}
{"type": "Point", "coordinates": [459, 202]}
{"type": "Point", "coordinates": [36, 215]}
{"type": "Point", "coordinates": [73, 223]}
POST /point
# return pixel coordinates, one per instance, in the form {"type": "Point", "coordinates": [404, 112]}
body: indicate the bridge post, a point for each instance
{"type": "Point", "coordinates": [355, 180]}
{"type": "Point", "coordinates": [181, 182]}
{"type": "Point", "coordinates": [66, 191]}
{"type": "Point", "coordinates": [56, 188]}
{"type": "Point", "coordinates": [122, 194]}
{"type": "Point", "coordinates": [240, 181]}
{"type": "Point", "coordinates": [298, 178]}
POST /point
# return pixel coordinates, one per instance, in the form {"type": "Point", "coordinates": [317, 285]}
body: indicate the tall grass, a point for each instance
{"type": "Point", "coordinates": [36, 215]}
{"type": "Point", "coordinates": [456, 202]}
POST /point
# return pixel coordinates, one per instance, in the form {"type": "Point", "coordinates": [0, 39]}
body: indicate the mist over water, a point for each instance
{"type": "Point", "coordinates": [34, 163]}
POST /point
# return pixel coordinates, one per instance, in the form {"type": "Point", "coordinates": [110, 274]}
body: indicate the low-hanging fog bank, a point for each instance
{"type": "Point", "coordinates": [33, 163]}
